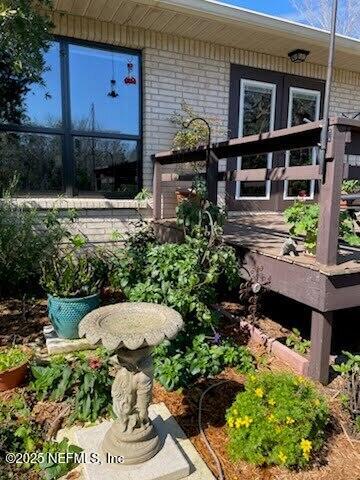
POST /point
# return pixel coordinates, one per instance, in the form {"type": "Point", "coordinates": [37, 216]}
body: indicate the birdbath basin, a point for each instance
{"type": "Point", "coordinates": [131, 330]}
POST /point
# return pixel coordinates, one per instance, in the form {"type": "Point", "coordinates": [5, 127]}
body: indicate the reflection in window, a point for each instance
{"type": "Point", "coordinates": [304, 105]}
{"type": "Point", "coordinates": [43, 102]}
{"type": "Point", "coordinates": [106, 166]}
{"type": "Point", "coordinates": [92, 108]}
{"type": "Point", "coordinates": [35, 159]}
{"type": "Point", "coordinates": [257, 104]}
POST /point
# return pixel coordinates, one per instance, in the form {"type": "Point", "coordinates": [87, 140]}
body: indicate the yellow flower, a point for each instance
{"type": "Point", "coordinates": [238, 423]}
{"type": "Point", "coordinates": [272, 402]}
{"type": "Point", "coordinates": [277, 429]}
{"type": "Point", "coordinates": [317, 402]}
{"type": "Point", "coordinates": [271, 417]}
{"type": "Point", "coordinates": [259, 392]}
{"type": "Point", "coordinates": [235, 412]}
{"type": "Point", "coordinates": [289, 421]}
{"type": "Point", "coordinates": [252, 377]}
{"type": "Point", "coordinates": [306, 447]}
{"type": "Point", "coordinates": [282, 457]}
{"type": "Point", "coordinates": [230, 422]}
{"type": "Point", "coordinates": [247, 421]}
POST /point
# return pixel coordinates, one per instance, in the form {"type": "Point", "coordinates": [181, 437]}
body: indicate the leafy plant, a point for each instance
{"type": "Point", "coordinates": [76, 272]}
{"type": "Point", "coordinates": [27, 237]}
{"type": "Point", "coordinates": [350, 186]}
{"type": "Point", "coordinates": [20, 434]}
{"type": "Point", "coordinates": [177, 367]}
{"type": "Point", "coordinates": [295, 341]}
{"type": "Point", "coordinates": [144, 194]}
{"type": "Point", "coordinates": [350, 370]}
{"type": "Point", "coordinates": [303, 219]}
{"type": "Point", "coordinates": [12, 357]}
{"type": "Point", "coordinates": [279, 419]}
{"type": "Point", "coordinates": [83, 381]}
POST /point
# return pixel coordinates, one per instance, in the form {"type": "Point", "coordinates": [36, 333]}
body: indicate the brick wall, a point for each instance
{"type": "Point", "coordinates": [177, 68]}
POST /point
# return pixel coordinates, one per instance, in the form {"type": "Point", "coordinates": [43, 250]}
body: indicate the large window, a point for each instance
{"type": "Point", "coordinates": [80, 132]}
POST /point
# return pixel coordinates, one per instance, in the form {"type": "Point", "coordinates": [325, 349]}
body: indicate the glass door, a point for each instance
{"type": "Point", "coordinates": [256, 115]}
{"type": "Point", "coordinates": [304, 106]}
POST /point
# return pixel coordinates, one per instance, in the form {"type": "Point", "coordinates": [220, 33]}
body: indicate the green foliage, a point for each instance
{"type": "Point", "coordinates": [25, 35]}
{"type": "Point", "coordinates": [12, 357]}
{"type": "Point", "coordinates": [197, 216]}
{"type": "Point", "coordinates": [279, 419]}
{"type": "Point", "coordinates": [177, 367]}
{"type": "Point", "coordinates": [75, 272]}
{"type": "Point", "coordinates": [350, 186]}
{"type": "Point", "coordinates": [303, 219]}
{"type": "Point", "coordinates": [197, 133]}
{"type": "Point", "coordinates": [20, 434]}
{"type": "Point", "coordinates": [295, 341]}
{"type": "Point", "coordinates": [144, 194]}
{"type": "Point", "coordinates": [83, 381]}
{"type": "Point", "coordinates": [350, 370]}
{"type": "Point", "coordinates": [27, 237]}
{"type": "Point", "coordinates": [51, 451]}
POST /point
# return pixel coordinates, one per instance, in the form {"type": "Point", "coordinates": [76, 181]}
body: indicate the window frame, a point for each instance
{"type": "Point", "coordinates": [66, 132]}
{"type": "Point", "coordinates": [317, 96]}
{"type": "Point", "coordinates": [244, 82]}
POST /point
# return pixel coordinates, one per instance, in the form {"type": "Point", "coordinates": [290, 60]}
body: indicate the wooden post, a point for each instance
{"type": "Point", "coordinates": [157, 190]}
{"type": "Point", "coordinates": [212, 176]}
{"type": "Point", "coordinates": [328, 231]}
{"type": "Point", "coordinates": [321, 329]}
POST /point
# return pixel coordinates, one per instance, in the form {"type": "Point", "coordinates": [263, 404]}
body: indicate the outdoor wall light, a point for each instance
{"type": "Point", "coordinates": [298, 55]}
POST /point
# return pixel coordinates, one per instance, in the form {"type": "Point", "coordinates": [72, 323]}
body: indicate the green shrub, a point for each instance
{"type": "Point", "coordinates": [350, 186]}
{"type": "Point", "coordinates": [175, 367]}
{"type": "Point", "coordinates": [27, 237]}
{"type": "Point", "coordinates": [303, 219]}
{"type": "Point", "coordinates": [12, 357]}
{"type": "Point", "coordinates": [279, 419]}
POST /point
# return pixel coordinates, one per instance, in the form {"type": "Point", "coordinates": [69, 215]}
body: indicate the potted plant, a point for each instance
{"type": "Point", "coordinates": [72, 281]}
{"type": "Point", "coordinates": [14, 362]}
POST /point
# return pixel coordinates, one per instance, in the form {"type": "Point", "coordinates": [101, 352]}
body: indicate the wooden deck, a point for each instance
{"type": "Point", "coordinates": [265, 233]}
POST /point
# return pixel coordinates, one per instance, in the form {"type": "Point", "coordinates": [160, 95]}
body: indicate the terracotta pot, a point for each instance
{"type": "Point", "coordinates": [13, 377]}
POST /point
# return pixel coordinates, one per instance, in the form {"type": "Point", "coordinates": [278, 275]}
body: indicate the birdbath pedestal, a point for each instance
{"type": "Point", "coordinates": [131, 330]}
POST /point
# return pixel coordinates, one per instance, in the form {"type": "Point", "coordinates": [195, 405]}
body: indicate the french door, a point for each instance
{"type": "Point", "coordinates": [261, 101]}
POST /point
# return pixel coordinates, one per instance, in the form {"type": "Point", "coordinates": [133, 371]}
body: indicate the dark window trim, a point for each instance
{"type": "Point", "coordinates": [66, 131]}
{"type": "Point", "coordinates": [283, 81]}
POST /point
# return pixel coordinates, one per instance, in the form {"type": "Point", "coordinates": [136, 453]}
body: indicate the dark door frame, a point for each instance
{"type": "Point", "coordinates": [283, 82]}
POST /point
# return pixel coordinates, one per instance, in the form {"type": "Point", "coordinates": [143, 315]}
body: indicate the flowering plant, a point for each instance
{"type": "Point", "coordinates": [279, 419]}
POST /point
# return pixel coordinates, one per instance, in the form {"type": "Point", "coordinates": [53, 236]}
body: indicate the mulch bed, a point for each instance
{"type": "Point", "coordinates": [340, 459]}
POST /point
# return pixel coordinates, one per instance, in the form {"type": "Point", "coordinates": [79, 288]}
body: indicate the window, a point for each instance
{"type": "Point", "coordinates": [80, 132]}
{"type": "Point", "coordinates": [304, 105]}
{"type": "Point", "coordinates": [257, 110]}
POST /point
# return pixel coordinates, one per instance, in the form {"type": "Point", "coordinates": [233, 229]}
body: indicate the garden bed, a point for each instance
{"type": "Point", "coordinates": [342, 459]}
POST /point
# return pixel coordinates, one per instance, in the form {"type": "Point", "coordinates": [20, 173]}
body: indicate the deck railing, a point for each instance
{"type": "Point", "coordinates": [343, 140]}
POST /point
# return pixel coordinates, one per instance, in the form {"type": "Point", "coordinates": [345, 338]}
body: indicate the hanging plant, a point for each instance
{"type": "Point", "coordinates": [130, 79]}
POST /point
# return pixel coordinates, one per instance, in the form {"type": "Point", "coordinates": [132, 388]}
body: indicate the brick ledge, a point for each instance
{"type": "Point", "coordinates": [81, 203]}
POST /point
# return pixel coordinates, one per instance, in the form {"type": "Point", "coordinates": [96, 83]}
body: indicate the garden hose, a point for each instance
{"type": "Point", "coordinates": [202, 433]}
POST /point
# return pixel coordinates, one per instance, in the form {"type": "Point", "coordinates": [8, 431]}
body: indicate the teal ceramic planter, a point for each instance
{"type": "Point", "coordinates": [66, 313]}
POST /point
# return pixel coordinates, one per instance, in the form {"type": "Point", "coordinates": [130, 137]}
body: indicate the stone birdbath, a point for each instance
{"type": "Point", "coordinates": [131, 330]}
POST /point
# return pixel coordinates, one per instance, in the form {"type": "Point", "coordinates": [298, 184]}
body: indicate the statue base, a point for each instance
{"type": "Point", "coordinates": [168, 464]}
{"type": "Point", "coordinates": [135, 447]}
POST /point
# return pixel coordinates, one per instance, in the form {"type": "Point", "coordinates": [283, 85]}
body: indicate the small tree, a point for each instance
{"type": "Point", "coordinates": [318, 14]}
{"type": "Point", "coordinates": [24, 38]}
